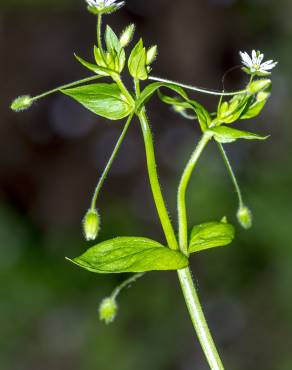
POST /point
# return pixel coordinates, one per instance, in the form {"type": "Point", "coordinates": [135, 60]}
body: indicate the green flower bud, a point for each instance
{"type": "Point", "coordinates": [127, 35]}
{"type": "Point", "coordinates": [91, 224]}
{"type": "Point", "coordinates": [151, 54]}
{"type": "Point", "coordinates": [259, 85]}
{"type": "Point", "coordinates": [262, 96]}
{"type": "Point", "coordinates": [244, 217]}
{"type": "Point", "coordinates": [108, 310]}
{"type": "Point", "coordinates": [21, 103]}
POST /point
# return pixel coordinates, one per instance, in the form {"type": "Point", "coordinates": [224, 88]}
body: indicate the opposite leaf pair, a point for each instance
{"type": "Point", "coordinates": [136, 254]}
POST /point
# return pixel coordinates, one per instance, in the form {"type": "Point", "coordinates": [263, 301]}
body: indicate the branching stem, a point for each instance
{"type": "Point", "coordinates": [181, 197]}
{"type": "Point", "coordinates": [184, 275]}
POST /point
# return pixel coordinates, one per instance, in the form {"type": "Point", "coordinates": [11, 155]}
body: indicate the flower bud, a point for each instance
{"type": "Point", "coordinates": [262, 96]}
{"type": "Point", "coordinates": [259, 85]}
{"type": "Point", "coordinates": [127, 35]}
{"type": "Point", "coordinates": [244, 217]}
{"type": "Point", "coordinates": [91, 224]}
{"type": "Point", "coordinates": [108, 310]}
{"type": "Point", "coordinates": [151, 54]}
{"type": "Point", "coordinates": [21, 103]}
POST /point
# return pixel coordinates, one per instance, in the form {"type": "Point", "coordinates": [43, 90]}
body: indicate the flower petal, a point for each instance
{"type": "Point", "coordinates": [246, 59]}
{"type": "Point", "coordinates": [260, 59]}
{"type": "Point", "coordinates": [270, 64]}
{"type": "Point", "coordinates": [254, 57]}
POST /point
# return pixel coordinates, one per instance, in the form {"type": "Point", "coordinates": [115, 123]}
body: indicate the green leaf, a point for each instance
{"type": "Point", "coordinates": [130, 254]}
{"type": "Point", "coordinates": [201, 113]}
{"type": "Point", "coordinates": [225, 135]}
{"type": "Point", "coordinates": [93, 67]}
{"type": "Point", "coordinates": [211, 235]}
{"type": "Point", "coordinates": [137, 62]}
{"type": "Point", "coordinates": [103, 99]}
{"type": "Point", "coordinates": [150, 89]}
{"type": "Point", "coordinates": [99, 59]}
{"type": "Point", "coordinates": [121, 60]}
{"type": "Point", "coordinates": [112, 41]}
{"type": "Point", "coordinates": [183, 103]}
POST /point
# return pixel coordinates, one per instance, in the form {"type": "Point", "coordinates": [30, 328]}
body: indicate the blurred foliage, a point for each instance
{"type": "Point", "coordinates": [51, 158]}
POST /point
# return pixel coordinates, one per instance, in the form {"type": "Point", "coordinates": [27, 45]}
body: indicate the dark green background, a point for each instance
{"type": "Point", "coordinates": [52, 155]}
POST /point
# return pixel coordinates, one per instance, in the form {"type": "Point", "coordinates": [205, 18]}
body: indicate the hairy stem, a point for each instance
{"type": "Point", "coordinates": [184, 275]}
{"type": "Point", "coordinates": [154, 182]}
{"type": "Point", "coordinates": [198, 89]}
{"type": "Point", "coordinates": [198, 319]}
{"type": "Point", "coordinates": [110, 162]}
{"type": "Point", "coordinates": [181, 197]}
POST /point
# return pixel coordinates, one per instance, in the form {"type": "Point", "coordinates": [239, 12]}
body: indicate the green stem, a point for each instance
{"type": "Point", "coordinates": [184, 275]}
{"type": "Point", "coordinates": [110, 162]}
{"type": "Point", "coordinates": [98, 29]}
{"type": "Point", "coordinates": [181, 197]}
{"type": "Point", "coordinates": [154, 182]}
{"type": "Point", "coordinates": [198, 89]}
{"type": "Point", "coordinates": [137, 87]}
{"type": "Point", "coordinates": [88, 79]}
{"type": "Point", "coordinates": [126, 283]}
{"type": "Point", "coordinates": [123, 89]}
{"type": "Point", "coordinates": [99, 40]}
{"type": "Point", "coordinates": [231, 173]}
{"type": "Point", "coordinates": [185, 278]}
{"type": "Point", "coordinates": [198, 319]}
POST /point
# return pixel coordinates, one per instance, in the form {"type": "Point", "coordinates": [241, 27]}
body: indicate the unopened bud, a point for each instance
{"type": "Point", "coordinates": [108, 310]}
{"type": "Point", "coordinates": [262, 96]}
{"type": "Point", "coordinates": [244, 217]}
{"type": "Point", "coordinates": [127, 35]}
{"type": "Point", "coordinates": [259, 85]}
{"type": "Point", "coordinates": [151, 54]}
{"type": "Point", "coordinates": [91, 224]}
{"type": "Point", "coordinates": [21, 103]}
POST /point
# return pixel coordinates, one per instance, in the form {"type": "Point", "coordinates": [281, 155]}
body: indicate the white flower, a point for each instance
{"type": "Point", "coordinates": [103, 4]}
{"type": "Point", "coordinates": [253, 65]}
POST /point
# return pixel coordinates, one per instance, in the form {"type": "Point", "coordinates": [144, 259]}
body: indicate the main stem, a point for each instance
{"type": "Point", "coordinates": [184, 275]}
{"type": "Point", "coordinates": [198, 319]}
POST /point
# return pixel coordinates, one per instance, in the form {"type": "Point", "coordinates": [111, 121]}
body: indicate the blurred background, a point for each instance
{"type": "Point", "coordinates": [51, 158]}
